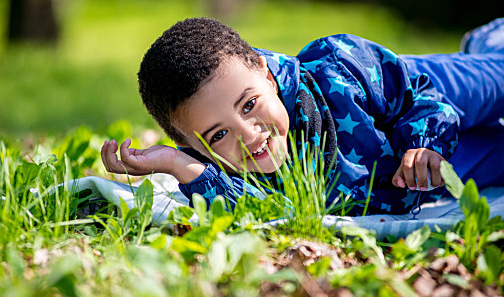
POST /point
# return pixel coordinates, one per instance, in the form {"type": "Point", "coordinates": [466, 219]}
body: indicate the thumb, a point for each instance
{"type": "Point", "coordinates": [124, 151]}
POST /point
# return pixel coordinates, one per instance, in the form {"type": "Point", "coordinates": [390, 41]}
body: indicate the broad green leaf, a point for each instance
{"type": "Point", "coordinates": [45, 159]}
{"type": "Point", "coordinates": [62, 275]}
{"type": "Point", "coordinates": [320, 267]}
{"type": "Point", "coordinates": [79, 142]}
{"type": "Point", "coordinates": [144, 193]}
{"type": "Point", "coordinates": [217, 258]}
{"type": "Point", "coordinates": [114, 228]}
{"type": "Point", "coordinates": [47, 175]}
{"type": "Point", "coordinates": [456, 280]}
{"type": "Point", "coordinates": [496, 223]}
{"type": "Point", "coordinates": [400, 250]}
{"type": "Point", "coordinates": [200, 208]}
{"type": "Point", "coordinates": [402, 288]}
{"type": "Point", "coordinates": [242, 243]}
{"type": "Point", "coordinates": [451, 236]}
{"type": "Point", "coordinates": [452, 181]}
{"type": "Point", "coordinates": [182, 245]}
{"type": "Point", "coordinates": [123, 207]}
{"type": "Point", "coordinates": [469, 198]}
{"type": "Point", "coordinates": [217, 209]}
{"type": "Point", "coordinates": [15, 261]}
{"type": "Point", "coordinates": [482, 213]}
{"type": "Point", "coordinates": [230, 250]}
{"type": "Point", "coordinates": [368, 238]}
{"type": "Point", "coordinates": [489, 263]}
{"type": "Point", "coordinates": [417, 238]}
{"type": "Point", "coordinates": [186, 211]}
{"type": "Point", "coordinates": [200, 234]}
{"type": "Point", "coordinates": [132, 213]}
{"type": "Point", "coordinates": [28, 172]}
{"type": "Point", "coordinates": [161, 242]}
{"type": "Point", "coordinates": [63, 266]}
{"type": "Point", "coordinates": [181, 214]}
{"type": "Point", "coordinates": [222, 223]}
{"type": "Point", "coordinates": [495, 236]}
{"type": "Point", "coordinates": [91, 230]}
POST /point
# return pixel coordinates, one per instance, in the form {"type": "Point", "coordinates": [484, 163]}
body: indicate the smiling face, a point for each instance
{"type": "Point", "coordinates": [238, 107]}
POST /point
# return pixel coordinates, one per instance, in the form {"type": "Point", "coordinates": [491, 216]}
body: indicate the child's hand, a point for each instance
{"type": "Point", "coordinates": [155, 159]}
{"type": "Point", "coordinates": [415, 163]}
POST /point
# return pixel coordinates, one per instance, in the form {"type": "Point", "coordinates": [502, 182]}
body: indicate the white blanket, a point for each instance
{"type": "Point", "coordinates": [444, 213]}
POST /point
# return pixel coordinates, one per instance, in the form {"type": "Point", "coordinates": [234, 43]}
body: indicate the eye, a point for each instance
{"type": "Point", "coordinates": [218, 136]}
{"type": "Point", "coordinates": [249, 105]}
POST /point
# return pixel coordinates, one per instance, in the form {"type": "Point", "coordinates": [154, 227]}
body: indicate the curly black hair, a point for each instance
{"type": "Point", "coordinates": [181, 61]}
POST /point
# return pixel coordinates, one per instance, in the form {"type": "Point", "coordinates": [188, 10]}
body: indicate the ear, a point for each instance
{"type": "Point", "coordinates": [267, 73]}
{"type": "Point", "coordinates": [264, 64]}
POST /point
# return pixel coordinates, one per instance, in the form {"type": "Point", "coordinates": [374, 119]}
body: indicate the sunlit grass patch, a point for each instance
{"type": "Point", "coordinates": [46, 249]}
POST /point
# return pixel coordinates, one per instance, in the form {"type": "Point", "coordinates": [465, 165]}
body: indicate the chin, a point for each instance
{"type": "Point", "coordinates": [268, 166]}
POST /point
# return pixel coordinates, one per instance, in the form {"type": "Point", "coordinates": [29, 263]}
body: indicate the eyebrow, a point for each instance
{"type": "Point", "coordinates": [235, 105]}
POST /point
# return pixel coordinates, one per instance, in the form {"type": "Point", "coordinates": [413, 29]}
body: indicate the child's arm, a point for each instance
{"type": "Point", "coordinates": [421, 127]}
{"type": "Point", "coordinates": [194, 176]}
{"type": "Point", "coordinates": [155, 159]}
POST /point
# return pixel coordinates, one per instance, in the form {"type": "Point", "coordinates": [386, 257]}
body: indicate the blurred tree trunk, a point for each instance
{"type": "Point", "coordinates": [32, 20]}
{"type": "Point", "coordinates": [226, 9]}
{"type": "Point", "coordinates": [223, 9]}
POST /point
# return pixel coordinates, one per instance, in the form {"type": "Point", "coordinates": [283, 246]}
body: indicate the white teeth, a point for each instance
{"type": "Point", "coordinates": [261, 149]}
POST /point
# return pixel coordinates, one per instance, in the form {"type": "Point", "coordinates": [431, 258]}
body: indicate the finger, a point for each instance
{"type": "Point", "coordinates": [421, 162]}
{"type": "Point", "coordinates": [112, 147]}
{"type": "Point", "coordinates": [113, 161]}
{"type": "Point", "coordinates": [104, 154]}
{"type": "Point", "coordinates": [435, 169]}
{"type": "Point", "coordinates": [408, 167]}
{"type": "Point", "coordinates": [124, 151]}
{"type": "Point", "coordinates": [398, 178]}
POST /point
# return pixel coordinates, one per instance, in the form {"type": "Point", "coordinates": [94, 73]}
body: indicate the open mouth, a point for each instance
{"type": "Point", "coordinates": [262, 150]}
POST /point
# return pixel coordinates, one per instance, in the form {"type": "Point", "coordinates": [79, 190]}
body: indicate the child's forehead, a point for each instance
{"type": "Point", "coordinates": [231, 76]}
{"type": "Point", "coordinates": [230, 65]}
{"type": "Point", "coordinates": [224, 86]}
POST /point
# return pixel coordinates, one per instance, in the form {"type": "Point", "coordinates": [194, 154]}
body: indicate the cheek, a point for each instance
{"type": "Point", "coordinates": [230, 152]}
{"type": "Point", "coordinates": [275, 113]}
{"type": "Point", "coordinates": [282, 119]}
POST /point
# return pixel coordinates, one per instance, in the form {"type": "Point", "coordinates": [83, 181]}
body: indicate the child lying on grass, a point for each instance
{"type": "Point", "coordinates": [354, 99]}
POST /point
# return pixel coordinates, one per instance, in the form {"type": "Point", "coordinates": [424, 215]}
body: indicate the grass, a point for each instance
{"type": "Point", "coordinates": [46, 249]}
{"type": "Point", "coordinates": [90, 76]}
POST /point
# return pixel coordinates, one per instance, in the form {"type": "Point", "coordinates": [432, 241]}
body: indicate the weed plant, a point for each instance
{"type": "Point", "coordinates": [300, 202]}
{"type": "Point", "coordinates": [46, 249]}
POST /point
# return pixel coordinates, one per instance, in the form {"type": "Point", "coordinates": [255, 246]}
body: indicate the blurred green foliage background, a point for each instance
{"type": "Point", "coordinates": [89, 77]}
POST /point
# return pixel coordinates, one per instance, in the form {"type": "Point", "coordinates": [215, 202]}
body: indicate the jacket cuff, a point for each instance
{"type": "Point", "coordinates": [209, 173]}
{"type": "Point", "coordinates": [442, 147]}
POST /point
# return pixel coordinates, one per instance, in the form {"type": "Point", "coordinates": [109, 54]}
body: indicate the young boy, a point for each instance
{"type": "Point", "coordinates": [361, 100]}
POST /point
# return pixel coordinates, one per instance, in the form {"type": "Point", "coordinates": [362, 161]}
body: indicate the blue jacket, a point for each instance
{"type": "Point", "coordinates": [382, 105]}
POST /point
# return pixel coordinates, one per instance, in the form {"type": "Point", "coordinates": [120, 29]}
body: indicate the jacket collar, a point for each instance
{"type": "Point", "coordinates": [285, 69]}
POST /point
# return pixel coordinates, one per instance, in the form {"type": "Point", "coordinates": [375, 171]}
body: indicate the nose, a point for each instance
{"type": "Point", "coordinates": [248, 131]}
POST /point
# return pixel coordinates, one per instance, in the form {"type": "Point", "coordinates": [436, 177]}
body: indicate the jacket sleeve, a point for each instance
{"type": "Point", "coordinates": [408, 109]}
{"type": "Point", "coordinates": [213, 181]}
